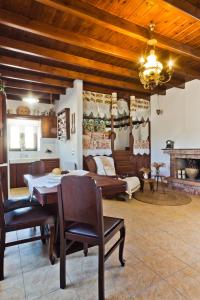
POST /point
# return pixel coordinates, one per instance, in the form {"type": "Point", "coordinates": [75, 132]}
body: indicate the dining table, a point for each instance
{"type": "Point", "coordinates": [44, 189]}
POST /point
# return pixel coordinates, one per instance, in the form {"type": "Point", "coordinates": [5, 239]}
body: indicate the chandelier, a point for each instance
{"type": "Point", "coordinates": [152, 72]}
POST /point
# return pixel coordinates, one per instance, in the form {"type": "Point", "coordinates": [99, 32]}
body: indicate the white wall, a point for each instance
{"type": "Point", "coordinates": [71, 151]}
{"type": "Point", "coordinates": [179, 122]}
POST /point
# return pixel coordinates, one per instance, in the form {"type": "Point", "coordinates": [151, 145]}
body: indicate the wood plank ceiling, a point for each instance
{"type": "Point", "coordinates": [46, 44]}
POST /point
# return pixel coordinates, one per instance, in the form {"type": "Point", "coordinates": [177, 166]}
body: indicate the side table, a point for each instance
{"type": "Point", "coordinates": [150, 181]}
{"type": "Point", "coordinates": [160, 178]}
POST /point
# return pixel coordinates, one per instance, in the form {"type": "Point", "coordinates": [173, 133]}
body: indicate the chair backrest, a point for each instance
{"type": "Point", "coordinates": [80, 200]}
{"type": "Point", "coordinates": [89, 164]}
{"type": "Point", "coordinates": [2, 222]}
{"type": "Point", "coordinates": [37, 168]}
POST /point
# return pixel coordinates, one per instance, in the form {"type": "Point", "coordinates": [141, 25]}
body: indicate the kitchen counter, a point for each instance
{"type": "Point", "coordinates": [29, 160]}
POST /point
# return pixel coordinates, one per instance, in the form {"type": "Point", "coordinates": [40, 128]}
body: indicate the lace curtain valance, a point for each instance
{"type": "Point", "coordinates": [139, 109]}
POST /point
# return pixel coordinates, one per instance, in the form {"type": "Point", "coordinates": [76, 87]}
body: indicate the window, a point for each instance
{"type": "Point", "coordinates": [24, 135]}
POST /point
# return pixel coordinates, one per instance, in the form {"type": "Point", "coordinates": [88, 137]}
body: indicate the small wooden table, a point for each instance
{"type": "Point", "coordinates": [160, 178]}
{"type": "Point", "coordinates": [150, 181]}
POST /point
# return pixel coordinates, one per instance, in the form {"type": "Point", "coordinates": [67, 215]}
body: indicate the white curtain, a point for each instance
{"type": "Point", "coordinates": [140, 109]}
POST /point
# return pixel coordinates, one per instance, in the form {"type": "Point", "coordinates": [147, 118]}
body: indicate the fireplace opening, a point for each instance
{"type": "Point", "coordinates": [188, 168]}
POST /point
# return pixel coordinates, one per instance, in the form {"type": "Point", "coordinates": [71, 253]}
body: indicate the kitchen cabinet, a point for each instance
{"type": "Point", "coordinates": [18, 170]}
{"type": "Point", "coordinates": [49, 127]}
{"type": "Point", "coordinates": [4, 179]}
{"type": "Point", "coordinates": [51, 164]}
{"type": "Point", "coordinates": [3, 140]}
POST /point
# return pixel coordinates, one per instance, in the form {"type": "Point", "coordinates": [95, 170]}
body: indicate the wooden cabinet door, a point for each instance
{"type": "Point", "coordinates": [21, 170]}
{"type": "Point", "coordinates": [4, 178]}
{"type": "Point", "coordinates": [13, 175]}
{"type": "Point", "coordinates": [3, 140]}
{"type": "Point", "coordinates": [49, 127]}
{"type": "Point", "coordinates": [50, 164]}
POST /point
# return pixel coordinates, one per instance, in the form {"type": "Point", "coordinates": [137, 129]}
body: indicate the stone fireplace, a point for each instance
{"type": "Point", "coordinates": [180, 159]}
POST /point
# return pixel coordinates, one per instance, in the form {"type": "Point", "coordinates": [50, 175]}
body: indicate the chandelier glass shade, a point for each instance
{"type": "Point", "coordinates": [152, 73]}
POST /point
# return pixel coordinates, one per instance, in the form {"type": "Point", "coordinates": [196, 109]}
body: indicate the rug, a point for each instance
{"type": "Point", "coordinates": [169, 198]}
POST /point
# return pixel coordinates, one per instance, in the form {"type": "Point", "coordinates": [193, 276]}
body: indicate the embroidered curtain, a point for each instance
{"type": "Point", "coordinates": [139, 109]}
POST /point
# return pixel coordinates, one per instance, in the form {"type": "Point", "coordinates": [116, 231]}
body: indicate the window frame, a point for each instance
{"type": "Point", "coordinates": [36, 137]}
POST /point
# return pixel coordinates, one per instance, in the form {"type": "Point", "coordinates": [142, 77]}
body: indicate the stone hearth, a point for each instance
{"type": "Point", "coordinates": [178, 159]}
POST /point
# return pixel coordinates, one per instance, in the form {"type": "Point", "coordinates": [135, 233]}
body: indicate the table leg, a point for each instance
{"type": "Point", "coordinates": [141, 185]}
{"type": "Point", "coordinates": [151, 184]}
{"type": "Point", "coordinates": [157, 178]}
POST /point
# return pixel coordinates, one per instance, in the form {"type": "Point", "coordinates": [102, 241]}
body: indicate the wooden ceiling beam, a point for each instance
{"type": "Point", "coordinates": [34, 50]}
{"type": "Point", "coordinates": [20, 98]}
{"type": "Point", "coordinates": [35, 78]}
{"type": "Point", "coordinates": [107, 90]}
{"type": "Point", "coordinates": [24, 92]}
{"type": "Point", "coordinates": [31, 49]}
{"type": "Point", "coordinates": [186, 7]}
{"type": "Point", "coordinates": [20, 22]}
{"type": "Point", "coordinates": [32, 87]}
{"type": "Point", "coordinates": [73, 74]}
{"type": "Point", "coordinates": [125, 27]}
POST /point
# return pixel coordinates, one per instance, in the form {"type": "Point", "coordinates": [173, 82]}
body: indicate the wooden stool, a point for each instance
{"type": "Point", "coordinates": [150, 181]}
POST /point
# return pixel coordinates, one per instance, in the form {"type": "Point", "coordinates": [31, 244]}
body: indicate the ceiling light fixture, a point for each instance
{"type": "Point", "coordinates": [30, 99]}
{"type": "Point", "coordinates": [152, 72]}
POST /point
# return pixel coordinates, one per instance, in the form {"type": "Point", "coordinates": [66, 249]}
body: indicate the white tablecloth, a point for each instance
{"type": "Point", "coordinates": [51, 180]}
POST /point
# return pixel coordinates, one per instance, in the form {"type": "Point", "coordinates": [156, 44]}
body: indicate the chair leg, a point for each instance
{"type": "Point", "coordinates": [85, 249]}
{"type": "Point", "coordinates": [42, 232]}
{"type": "Point", "coordinates": [62, 263]}
{"type": "Point", "coordinates": [2, 249]}
{"type": "Point", "coordinates": [101, 273]}
{"type": "Point", "coordinates": [51, 244]}
{"type": "Point", "coordinates": [121, 246]}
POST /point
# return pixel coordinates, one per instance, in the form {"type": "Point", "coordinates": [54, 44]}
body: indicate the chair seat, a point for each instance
{"type": "Point", "coordinates": [19, 202]}
{"type": "Point", "coordinates": [87, 230]}
{"type": "Point", "coordinates": [27, 217]}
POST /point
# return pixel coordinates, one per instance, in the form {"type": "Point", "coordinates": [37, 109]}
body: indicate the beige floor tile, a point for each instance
{"type": "Point", "coordinates": [67, 293]}
{"type": "Point", "coordinates": [132, 279]}
{"type": "Point", "coordinates": [164, 266]}
{"type": "Point", "coordinates": [188, 254]}
{"type": "Point", "coordinates": [160, 291]}
{"type": "Point", "coordinates": [34, 257]}
{"type": "Point", "coordinates": [160, 242]}
{"type": "Point", "coordinates": [12, 288]}
{"type": "Point", "coordinates": [12, 266]}
{"type": "Point", "coordinates": [41, 281]}
{"type": "Point", "coordinates": [187, 282]}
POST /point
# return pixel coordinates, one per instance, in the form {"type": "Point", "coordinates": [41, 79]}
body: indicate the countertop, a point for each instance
{"type": "Point", "coordinates": [29, 160]}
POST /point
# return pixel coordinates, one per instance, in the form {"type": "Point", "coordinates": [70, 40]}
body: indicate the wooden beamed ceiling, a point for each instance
{"type": "Point", "coordinates": [46, 44]}
{"type": "Point", "coordinates": [186, 6]}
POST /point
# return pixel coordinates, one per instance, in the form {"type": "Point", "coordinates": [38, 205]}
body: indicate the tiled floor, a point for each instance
{"type": "Point", "coordinates": [162, 254]}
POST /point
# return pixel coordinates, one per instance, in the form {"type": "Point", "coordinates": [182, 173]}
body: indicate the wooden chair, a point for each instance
{"type": "Point", "coordinates": [37, 168]}
{"type": "Point", "coordinates": [80, 202]}
{"type": "Point", "coordinates": [15, 218]}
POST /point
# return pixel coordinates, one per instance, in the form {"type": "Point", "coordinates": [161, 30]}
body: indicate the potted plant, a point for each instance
{"type": "Point", "coordinates": [157, 167]}
{"type": "Point", "coordinates": [192, 168]}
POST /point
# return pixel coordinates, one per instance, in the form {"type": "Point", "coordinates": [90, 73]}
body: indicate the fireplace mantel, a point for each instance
{"type": "Point", "coordinates": [188, 185]}
{"type": "Point", "coordinates": [186, 151]}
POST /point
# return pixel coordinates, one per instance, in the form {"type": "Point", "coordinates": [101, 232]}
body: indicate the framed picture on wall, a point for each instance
{"type": "Point", "coordinates": [63, 124]}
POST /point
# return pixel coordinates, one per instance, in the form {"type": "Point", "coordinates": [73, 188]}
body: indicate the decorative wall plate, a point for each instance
{"type": "Point", "coordinates": [23, 110]}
